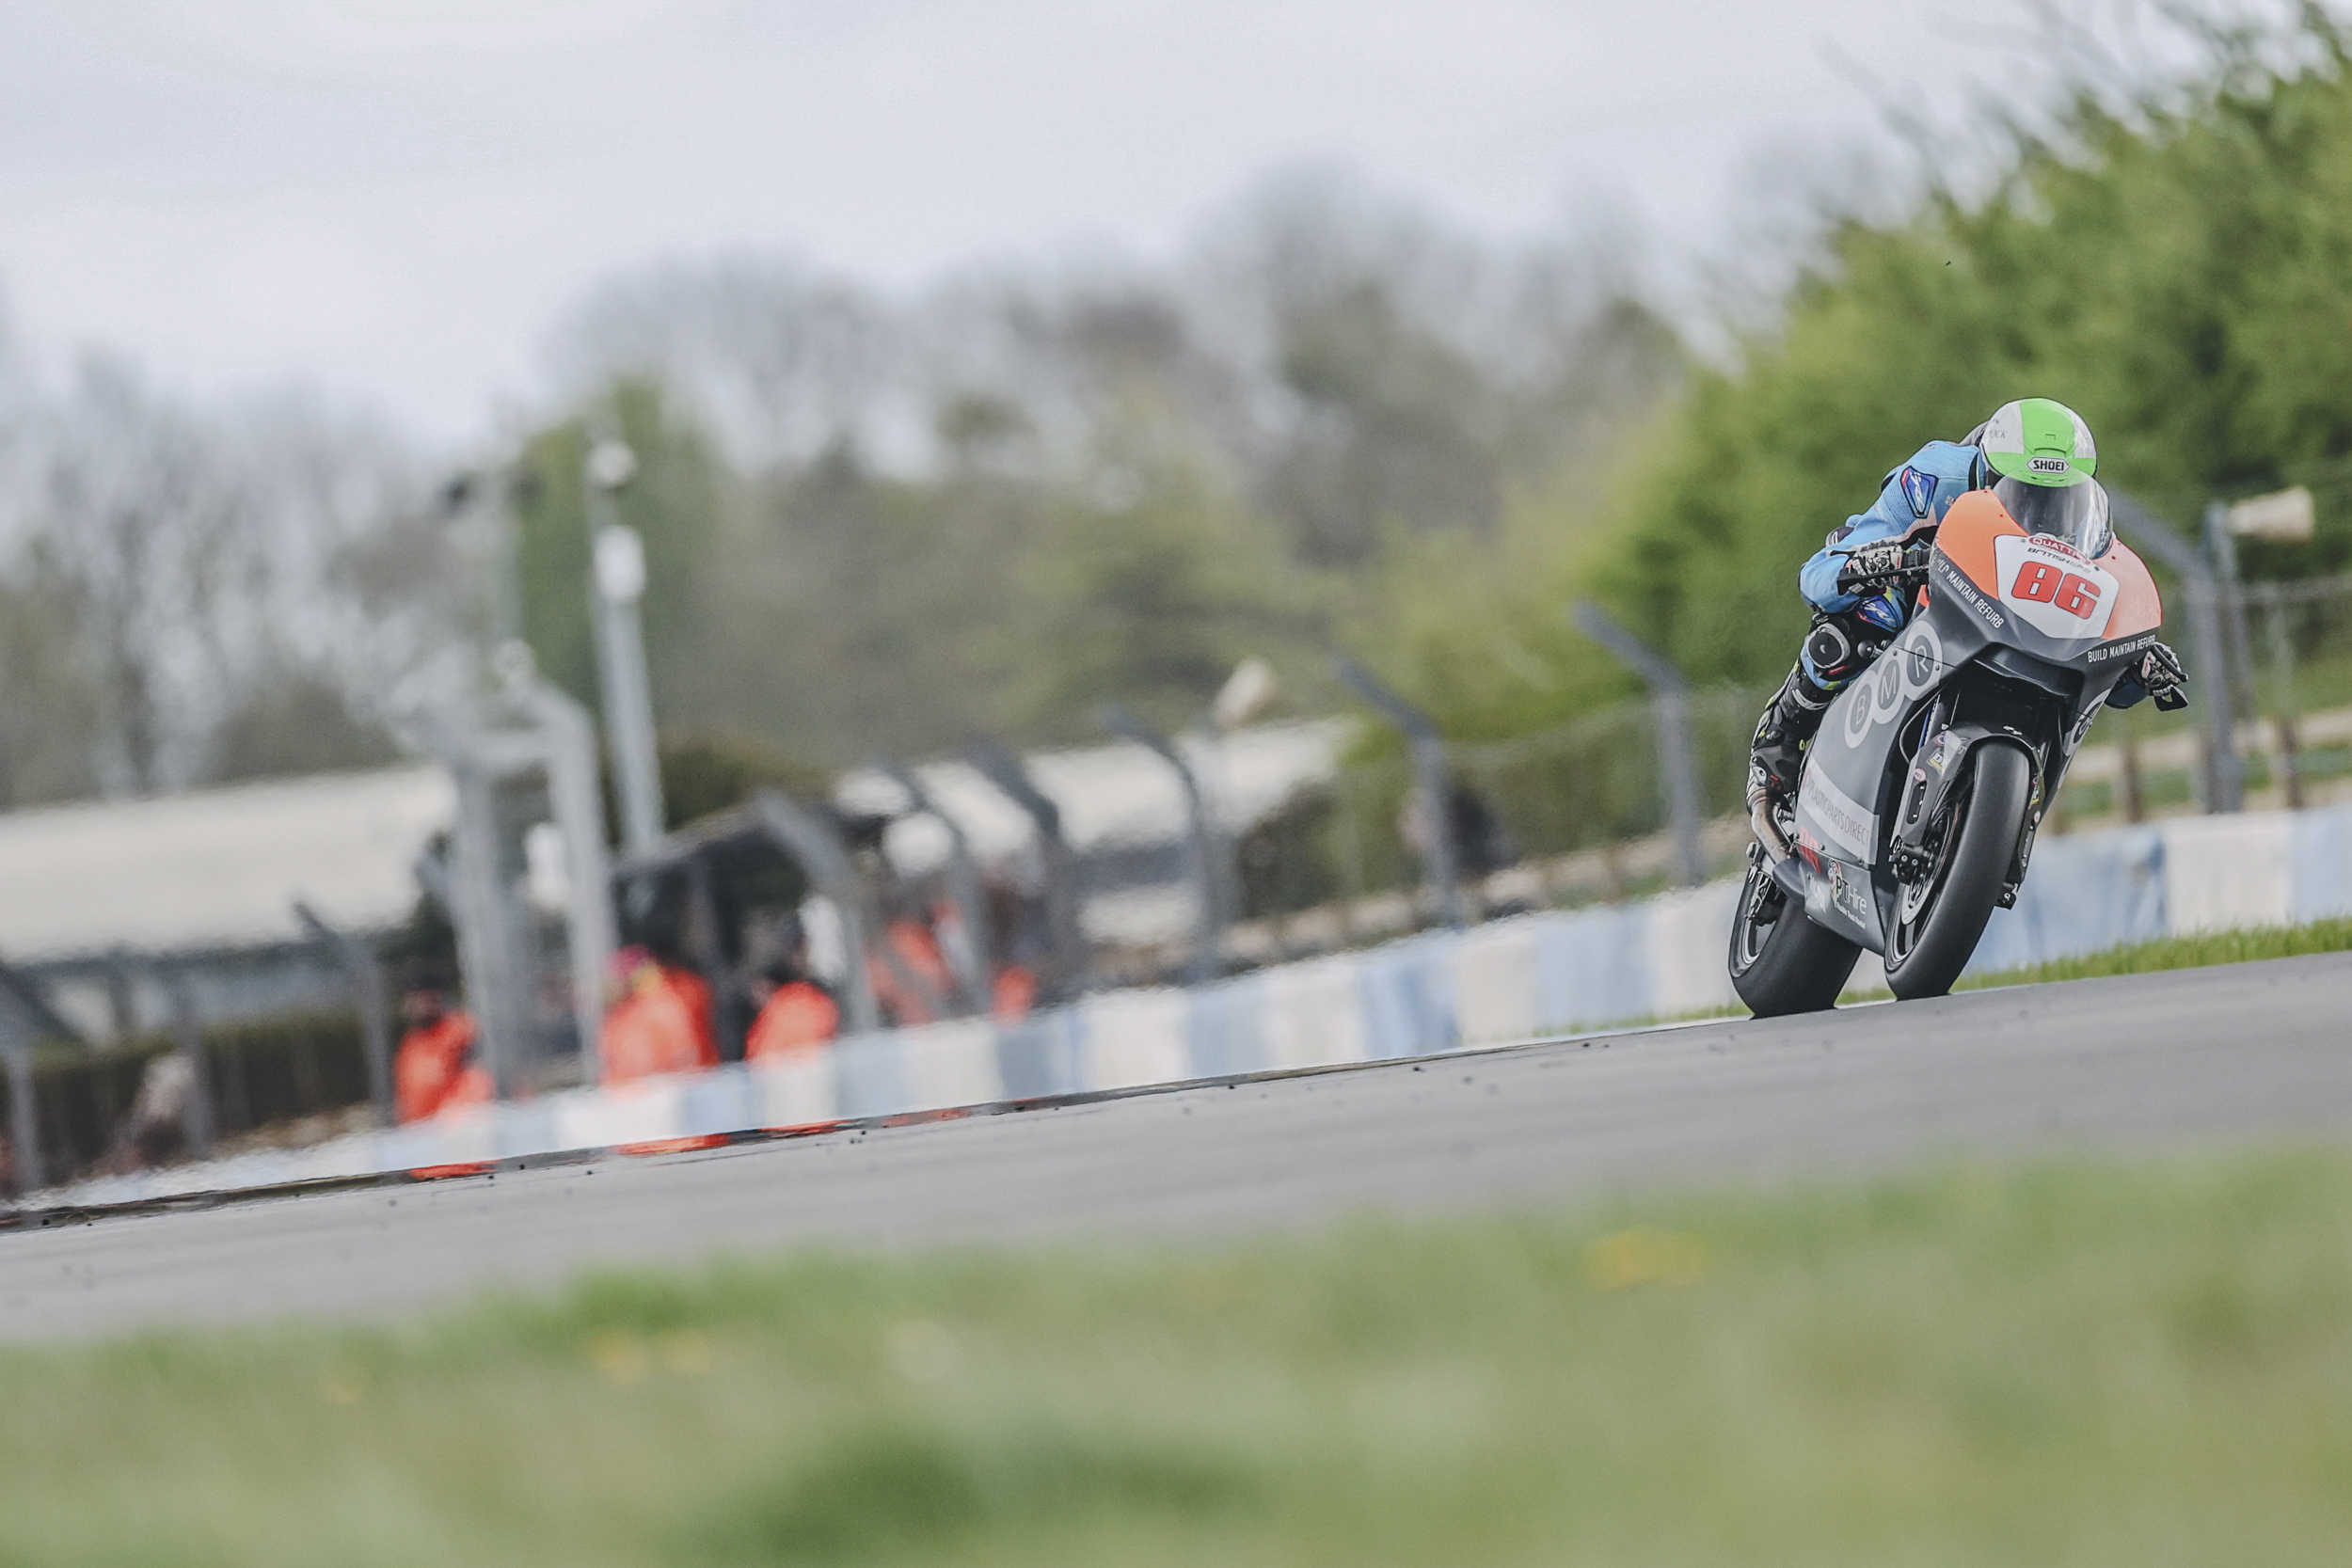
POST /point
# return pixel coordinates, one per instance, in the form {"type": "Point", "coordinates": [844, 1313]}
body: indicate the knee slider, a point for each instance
{"type": "Point", "coordinates": [1831, 652]}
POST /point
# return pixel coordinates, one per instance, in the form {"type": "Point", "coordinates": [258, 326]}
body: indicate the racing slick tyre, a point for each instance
{"type": "Point", "coordinates": [1939, 918]}
{"type": "Point", "coordinates": [1781, 963]}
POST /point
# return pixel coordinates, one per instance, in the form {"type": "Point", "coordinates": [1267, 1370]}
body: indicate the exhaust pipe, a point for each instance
{"type": "Point", "coordinates": [1768, 832]}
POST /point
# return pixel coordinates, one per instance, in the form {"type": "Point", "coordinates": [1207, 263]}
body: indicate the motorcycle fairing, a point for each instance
{"type": "Point", "coordinates": [2017, 585]}
{"type": "Point", "coordinates": [1991, 588]}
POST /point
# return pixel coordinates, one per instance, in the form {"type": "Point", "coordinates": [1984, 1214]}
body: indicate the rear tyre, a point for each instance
{"type": "Point", "coordinates": [1937, 925]}
{"type": "Point", "coordinates": [1781, 963]}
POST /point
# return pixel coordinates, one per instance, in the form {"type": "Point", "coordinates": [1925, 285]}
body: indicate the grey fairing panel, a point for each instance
{"type": "Point", "coordinates": [1848, 789]}
{"type": "Point", "coordinates": [1841, 808]}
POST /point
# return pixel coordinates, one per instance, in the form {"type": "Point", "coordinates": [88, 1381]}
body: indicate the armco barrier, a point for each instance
{"type": "Point", "coordinates": [1511, 979]}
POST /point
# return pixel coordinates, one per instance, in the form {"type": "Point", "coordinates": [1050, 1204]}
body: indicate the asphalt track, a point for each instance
{"type": "Point", "coordinates": [2215, 1056]}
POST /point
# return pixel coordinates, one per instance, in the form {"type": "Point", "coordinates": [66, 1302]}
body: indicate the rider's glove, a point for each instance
{"type": "Point", "coordinates": [2160, 671]}
{"type": "Point", "coordinates": [1870, 565]}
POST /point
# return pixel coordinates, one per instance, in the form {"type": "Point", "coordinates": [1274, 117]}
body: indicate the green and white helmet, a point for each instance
{"type": "Point", "coordinates": [2042, 460]}
{"type": "Point", "coordinates": [2040, 441]}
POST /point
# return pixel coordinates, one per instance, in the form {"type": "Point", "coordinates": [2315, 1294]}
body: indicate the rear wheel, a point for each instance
{"type": "Point", "coordinates": [1939, 918]}
{"type": "Point", "coordinates": [1781, 963]}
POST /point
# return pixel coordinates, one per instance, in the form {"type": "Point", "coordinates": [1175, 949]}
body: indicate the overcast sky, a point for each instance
{"type": "Point", "coordinates": [394, 199]}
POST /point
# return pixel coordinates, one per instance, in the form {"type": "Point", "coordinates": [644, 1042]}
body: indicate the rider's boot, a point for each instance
{"type": "Point", "coordinates": [1782, 734]}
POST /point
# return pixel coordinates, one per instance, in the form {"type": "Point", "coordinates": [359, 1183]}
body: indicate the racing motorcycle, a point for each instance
{"type": "Point", "coordinates": [1916, 810]}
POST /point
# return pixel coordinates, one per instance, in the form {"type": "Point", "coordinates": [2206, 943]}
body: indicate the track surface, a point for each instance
{"type": "Point", "coordinates": [2217, 1054]}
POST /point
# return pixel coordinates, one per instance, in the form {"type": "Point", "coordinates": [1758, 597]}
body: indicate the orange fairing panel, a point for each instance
{"type": "Point", "coordinates": [1969, 528]}
{"type": "Point", "coordinates": [1977, 519]}
{"type": "Point", "coordinates": [2137, 606]}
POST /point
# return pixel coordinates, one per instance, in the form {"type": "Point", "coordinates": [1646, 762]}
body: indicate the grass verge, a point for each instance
{"type": "Point", "coordinates": [2190, 952]}
{"type": "Point", "coordinates": [2150, 957]}
{"type": "Point", "coordinates": [2122, 1362]}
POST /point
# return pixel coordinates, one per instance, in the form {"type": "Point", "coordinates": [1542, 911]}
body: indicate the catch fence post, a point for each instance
{"type": "Point", "coordinates": [973, 964]}
{"type": "Point", "coordinates": [2283, 675]}
{"type": "Point", "coordinates": [1429, 766]}
{"type": "Point", "coordinates": [366, 974]}
{"type": "Point", "coordinates": [196, 1117]}
{"type": "Point", "coordinates": [2223, 778]}
{"type": "Point", "coordinates": [1199, 835]}
{"type": "Point", "coordinates": [2223, 550]}
{"type": "Point", "coordinates": [1065, 930]}
{"type": "Point", "coordinates": [1677, 775]}
{"type": "Point", "coordinates": [814, 841]}
{"type": "Point", "coordinates": [16, 1044]}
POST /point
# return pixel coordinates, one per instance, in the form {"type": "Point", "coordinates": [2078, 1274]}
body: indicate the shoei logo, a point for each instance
{"type": "Point", "coordinates": [2046, 465]}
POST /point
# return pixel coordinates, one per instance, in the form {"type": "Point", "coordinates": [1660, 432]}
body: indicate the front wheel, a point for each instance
{"type": "Point", "coordinates": [1781, 962]}
{"type": "Point", "coordinates": [1940, 917]}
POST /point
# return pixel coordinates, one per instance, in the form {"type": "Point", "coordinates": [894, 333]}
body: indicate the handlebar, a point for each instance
{"type": "Point", "coordinates": [1898, 563]}
{"type": "Point", "coordinates": [1901, 576]}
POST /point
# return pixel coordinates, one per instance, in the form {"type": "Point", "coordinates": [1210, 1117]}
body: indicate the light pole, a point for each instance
{"type": "Point", "coordinates": [615, 586]}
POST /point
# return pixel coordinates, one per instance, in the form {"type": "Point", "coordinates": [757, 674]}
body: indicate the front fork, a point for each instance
{"type": "Point", "coordinates": [1938, 767]}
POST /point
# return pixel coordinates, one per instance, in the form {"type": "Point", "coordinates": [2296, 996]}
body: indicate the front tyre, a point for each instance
{"type": "Point", "coordinates": [1940, 918]}
{"type": "Point", "coordinates": [1781, 963]}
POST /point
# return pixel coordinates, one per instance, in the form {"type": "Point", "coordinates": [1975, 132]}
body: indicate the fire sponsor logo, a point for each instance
{"type": "Point", "coordinates": [1849, 897]}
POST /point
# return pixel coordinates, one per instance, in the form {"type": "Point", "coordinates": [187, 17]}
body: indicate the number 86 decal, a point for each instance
{"type": "Point", "coordinates": [2043, 584]}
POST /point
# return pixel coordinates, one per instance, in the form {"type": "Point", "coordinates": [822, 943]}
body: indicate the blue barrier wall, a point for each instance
{"type": "Point", "coordinates": [1511, 979]}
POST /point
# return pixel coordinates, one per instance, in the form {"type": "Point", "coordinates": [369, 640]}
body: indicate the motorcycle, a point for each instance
{"type": "Point", "coordinates": [1917, 804]}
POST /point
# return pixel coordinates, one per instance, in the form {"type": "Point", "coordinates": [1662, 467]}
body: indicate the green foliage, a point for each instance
{"type": "Point", "coordinates": [296, 722]}
{"type": "Point", "coordinates": [704, 774]}
{"type": "Point", "coordinates": [2134, 1361]}
{"type": "Point", "coordinates": [1128, 482]}
{"type": "Point", "coordinates": [675, 503]}
{"type": "Point", "coordinates": [833, 612]}
{"type": "Point", "coordinates": [2177, 273]}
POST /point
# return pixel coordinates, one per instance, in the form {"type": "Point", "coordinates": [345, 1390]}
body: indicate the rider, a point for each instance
{"type": "Point", "coordinates": [2037, 455]}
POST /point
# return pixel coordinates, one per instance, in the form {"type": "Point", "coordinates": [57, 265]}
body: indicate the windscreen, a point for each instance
{"type": "Point", "coordinates": [2078, 514]}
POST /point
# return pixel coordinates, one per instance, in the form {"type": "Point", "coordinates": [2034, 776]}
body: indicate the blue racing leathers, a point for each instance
{"type": "Point", "coordinates": [1924, 488]}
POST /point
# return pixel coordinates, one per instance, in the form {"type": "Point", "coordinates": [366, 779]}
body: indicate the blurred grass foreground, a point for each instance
{"type": "Point", "coordinates": [2115, 1362]}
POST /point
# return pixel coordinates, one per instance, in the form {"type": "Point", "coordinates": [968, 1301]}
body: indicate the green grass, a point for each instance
{"type": "Point", "coordinates": [2127, 1363]}
{"type": "Point", "coordinates": [2191, 952]}
{"type": "Point", "coordinates": [2151, 957]}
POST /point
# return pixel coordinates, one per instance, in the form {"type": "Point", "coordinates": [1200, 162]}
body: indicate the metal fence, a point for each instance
{"type": "Point", "coordinates": [1566, 814]}
{"type": "Point", "coordinates": [1579, 786]}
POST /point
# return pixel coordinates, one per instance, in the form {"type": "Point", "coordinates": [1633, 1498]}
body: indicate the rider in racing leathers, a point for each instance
{"type": "Point", "coordinates": [2040, 451]}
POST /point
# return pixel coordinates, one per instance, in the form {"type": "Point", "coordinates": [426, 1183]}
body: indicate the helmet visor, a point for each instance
{"type": "Point", "coordinates": [2074, 513]}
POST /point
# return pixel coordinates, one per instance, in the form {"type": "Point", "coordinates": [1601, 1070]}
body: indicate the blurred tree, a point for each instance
{"type": "Point", "coordinates": [2174, 269]}
{"type": "Point", "coordinates": [704, 774]}
{"type": "Point", "coordinates": [295, 721]}
{"type": "Point", "coordinates": [674, 502]}
{"type": "Point", "coordinates": [49, 700]}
